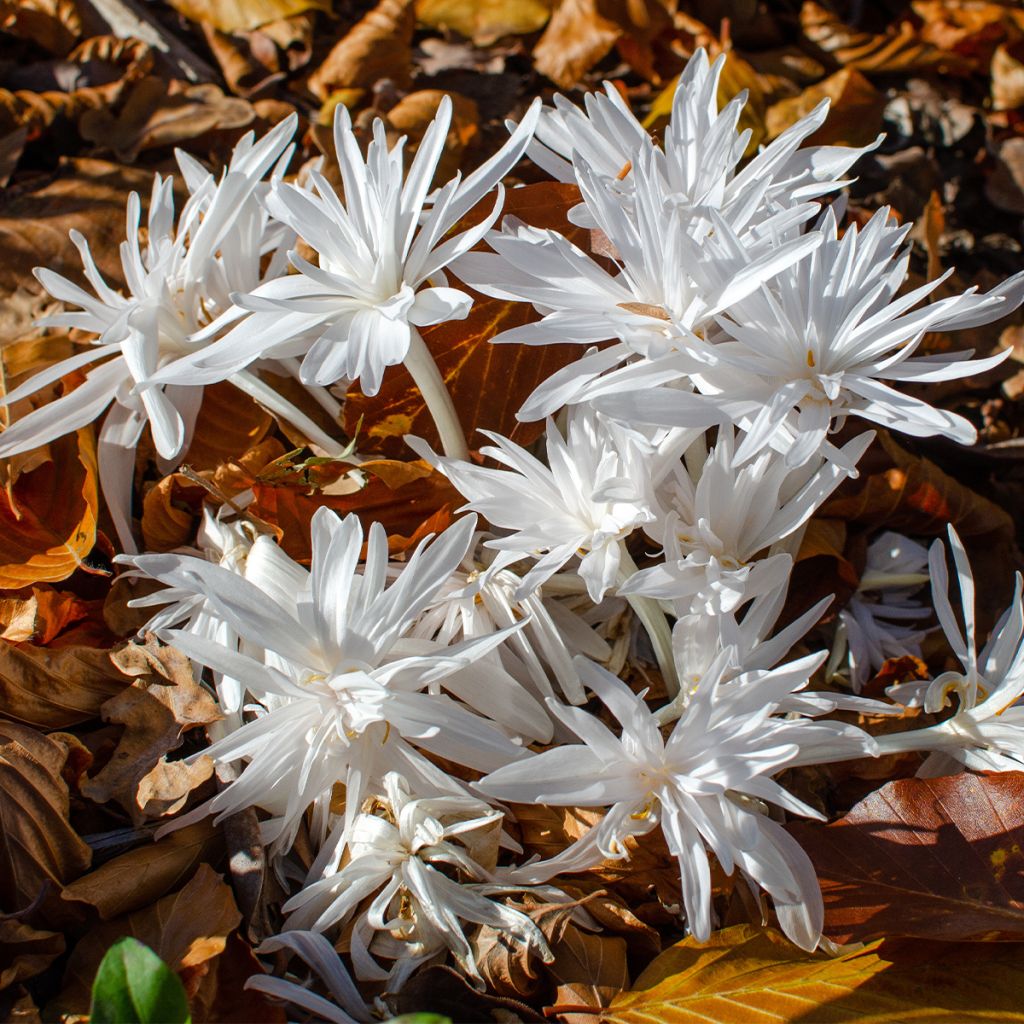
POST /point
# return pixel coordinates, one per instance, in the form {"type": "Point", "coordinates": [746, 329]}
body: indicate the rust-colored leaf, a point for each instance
{"type": "Point", "coordinates": [39, 614]}
{"type": "Point", "coordinates": [55, 25]}
{"type": "Point", "coordinates": [377, 46]}
{"type": "Point", "coordinates": [485, 21]}
{"type": "Point", "coordinates": [48, 516]}
{"type": "Point", "coordinates": [37, 843]}
{"type": "Point", "coordinates": [141, 876]}
{"type": "Point", "coordinates": [55, 688]}
{"type": "Point", "coordinates": [744, 973]}
{"type": "Point", "coordinates": [187, 930]}
{"type": "Point", "coordinates": [229, 422]}
{"type": "Point", "coordinates": [931, 858]}
{"type": "Point", "coordinates": [488, 383]}
{"type": "Point", "coordinates": [244, 15]}
{"type": "Point", "coordinates": [162, 703]}
{"type": "Point", "coordinates": [170, 512]}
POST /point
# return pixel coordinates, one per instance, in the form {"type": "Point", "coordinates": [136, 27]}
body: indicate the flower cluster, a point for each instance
{"type": "Point", "coordinates": [739, 347]}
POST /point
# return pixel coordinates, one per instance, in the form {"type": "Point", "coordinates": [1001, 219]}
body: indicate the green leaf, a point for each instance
{"type": "Point", "coordinates": [134, 986]}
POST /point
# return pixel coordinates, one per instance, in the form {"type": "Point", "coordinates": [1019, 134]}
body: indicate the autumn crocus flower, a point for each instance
{"type": "Point", "coordinates": [382, 253]}
{"type": "Point", "coordinates": [343, 694]}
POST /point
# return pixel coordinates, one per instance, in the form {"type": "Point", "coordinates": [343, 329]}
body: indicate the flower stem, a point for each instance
{"type": "Point", "coordinates": [650, 612]}
{"type": "Point", "coordinates": [280, 406]}
{"type": "Point", "coordinates": [421, 366]}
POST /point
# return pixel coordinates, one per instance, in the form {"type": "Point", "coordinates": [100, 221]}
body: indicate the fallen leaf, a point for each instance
{"type": "Point", "coordinates": [413, 114]}
{"type": "Point", "coordinates": [378, 46]}
{"type": "Point", "coordinates": [55, 25]}
{"type": "Point", "coordinates": [971, 29]}
{"type": "Point", "coordinates": [170, 513]}
{"type": "Point", "coordinates": [484, 21]}
{"type": "Point", "coordinates": [744, 973]}
{"type": "Point", "coordinates": [488, 383]}
{"type": "Point", "coordinates": [39, 614]}
{"type": "Point", "coordinates": [186, 929]}
{"type": "Point", "coordinates": [55, 688]}
{"type": "Point", "coordinates": [900, 49]}
{"type": "Point", "coordinates": [229, 422]}
{"type": "Point", "coordinates": [931, 858]}
{"type": "Point", "coordinates": [48, 516]}
{"type": "Point", "coordinates": [25, 951]}
{"type": "Point", "coordinates": [244, 15]}
{"type": "Point", "coordinates": [221, 996]}
{"type": "Point", "coordinates": [855, 113]}
{"type": "Point", "coordinates": [162, 703]}
{"type": "Point", "coordinates": [141, 876]}
{"type": "Point", "coordinates": [1008, 76]}
{"type": "Point", "coordinates": [37, 843]}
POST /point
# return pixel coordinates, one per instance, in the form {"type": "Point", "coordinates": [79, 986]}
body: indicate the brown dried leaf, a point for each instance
{"type": "Point", "coordinates": [413, 114]}
{"type": "Point", "coordinates": [377, 46]}
{"type": "Point", "coordinates": [55, 25]}
{"type": "Point", "coordinates": [162, 703]}
{"type": "Point", "coordinates": [971, 29]}
{"type": "Point", "coordinates": [39, 614]}
{"type": "Point", "coordinates": [930, 858]}
{"type": "Point", "coordinates": [485, 21]}
{"type": "Point", "coordinates": [170, 513]}
{"type": "Point", "coordinates": [37, 843]}
{"type": "Point", "coordinates": [1008, 76]}
{"type": "Point", "coordinates": [244, 15]}
{"type": "Point", "coordinates": [54, 689]}
{"type": "Point", "coordinates": [186, 930]}
{"type": "Point", "coordinates": [855, 116]}
{"type": "Point", "coordinates": [141, 876]}
{"type": "Point", "coordinates": [901, 49]}
{"type": "Point", "coordinates": [25, 951]}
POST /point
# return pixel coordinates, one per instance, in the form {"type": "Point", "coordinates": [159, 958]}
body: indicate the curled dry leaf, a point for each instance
{"type": "Point", "coordinates": [485, 21]}
{"type": "Point", "coordinates": [37, 843]}
{"type": "Point", "coordinates": [1008, 76]}
{"type": "Point", "coordinates": [141, 876]}
{"type": "Point", "coordinates": [901, 49]}
{"type": "Point", "coordinates": [971, 29]}
{"type": "Point", "coordinates": [187, 930]}
{"type": "Point", "coordinates": [170, 513]}
{"type": "Point", "coordinates": [412, 115]}
{"type": "Point", "coordinates": [55, 689]}
{"type": "Point", "coordinates": [55, 25]}
{"type": "Point", "coordinates": [162, 703]}
{"type": "Point", "coordinates": [745, 973]}
{"type": "Point", "coordinates": [377, 46]}
{"type": "Point", "coordinates": [39, 614]}
{"type": "Point", "coordinates": [931, 858]}
{"type": "Point", "coordinates": [48, 515]}
{"type": "Point", "coordinates": [25, 951]}
{"type": "Point", "coordinates": [244, 15]}
{"type": "Point", "coordinates": [856, 104]}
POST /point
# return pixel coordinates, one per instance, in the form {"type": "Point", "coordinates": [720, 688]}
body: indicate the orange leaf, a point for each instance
{"type": "Point", "coordinates": [48, 517]}
{"type": "Point", "coordinates": [229, 422]}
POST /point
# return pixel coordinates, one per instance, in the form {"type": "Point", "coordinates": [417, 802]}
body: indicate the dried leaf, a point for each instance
{"type": "Point", "coordinates": [48, 517]}
{"type": "Point", "coordinates": [1008, 77]}
{"type": "Point", "coordinates": [412, 115]}
{"type": "Point", "coordinates": [488, 383]}
{"type": "Point", "coordinates": [244, 15]}
{"type": "Point", "coordinates": [54, 689]}
{"type": "Point", "coordinates": [932, 858]}
{"type": "Point", "coordinates": [229, 422]}
{"type": "Point", "coordinates": [141, 876]}
{"type": "Point", "coordinates": [855, 112]}
{"type": "Point", "coordinates": [971, 29]}
{"type": "Point", "coordinates": [377, 46]}
{"type": "Point", "coordinates": [25, 951]}
{"type": "Point", "coordinates": [484, 21]}
{"type": "Point", "coordinates": [186, 930]}
{"type": "Point", "coordinates": [39, 614]}
{"type": "Point", "coordinates": [744, 973]}
{"type": "Point", "coordinates": [37, 843]}
{"type": "Point", "coordinates": [55, 25]}
{"type": "Point", "coordinates": [901, 49]}
{"type": "Point", "coordinates": [162, 703]}
{"type": "Point", "coordinates": [170, 513]}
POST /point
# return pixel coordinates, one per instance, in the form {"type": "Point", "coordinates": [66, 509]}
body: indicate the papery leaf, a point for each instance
{"type": "Point", "coordinates": [933, 858]}
{"type": "Point", "coordinates": [25, 951]}
{"type": "Point", "coordinates": [134, 986]}
{"type": "Point", "coordinates": [162, 703]}
{"type": "Point", "coordinates": [413, 114]}
{"type": "Point", "coordinates": [488, 383]}
{"type": "Point", "coordinates": [141, 876]}
{"type": "Point", "coordinates": [485, 21]}
{"type": "Point", "coordinates": [187, 930]}
{"type": "Point", "coordinates": [379, 45]}
{"type": "Point", "coordinates": [39, 614]}
{"type": "Point", "coordinates": [55, 25]}
{"type": "Point", "coordinates": [1008, 76]}
{"type": "Point", "coordinates": [48, 516]}
{"type": "Point", "coordinates": [170, 513]}
{"type": "Point", "coordinates": [229, 422]}
{"type": "Point", "coordinates": [744, 973]}
{"type": "Point", "coordinates": [244, 15]}
{"type": "Point", "coordinates": [37, 843]}
{"type": "Point", "coordinates": [855, 112]}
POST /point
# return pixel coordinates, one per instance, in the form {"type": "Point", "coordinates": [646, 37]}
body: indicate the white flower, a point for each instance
{"type": "Point", "coordinates": [381, 260]}
{"type": "Point", "coordinates": [986, 730]}
{"type": "Point", "coordinates": [706, 785]}
{"type": "Point", "coordinates": [177, 283]}
{"type": "Point", "coordinates": [418, 862]}
{"type": "Point", "coordinates": [872, 625]}
{"type": "Point", "coordinates": [343, 694]}
{"type": "Point", "coordinates": [714, 530]}
{"type": "Point", "coordinates": [816, 344]}
{"type": "Point", "coordinates": [591, 496]}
